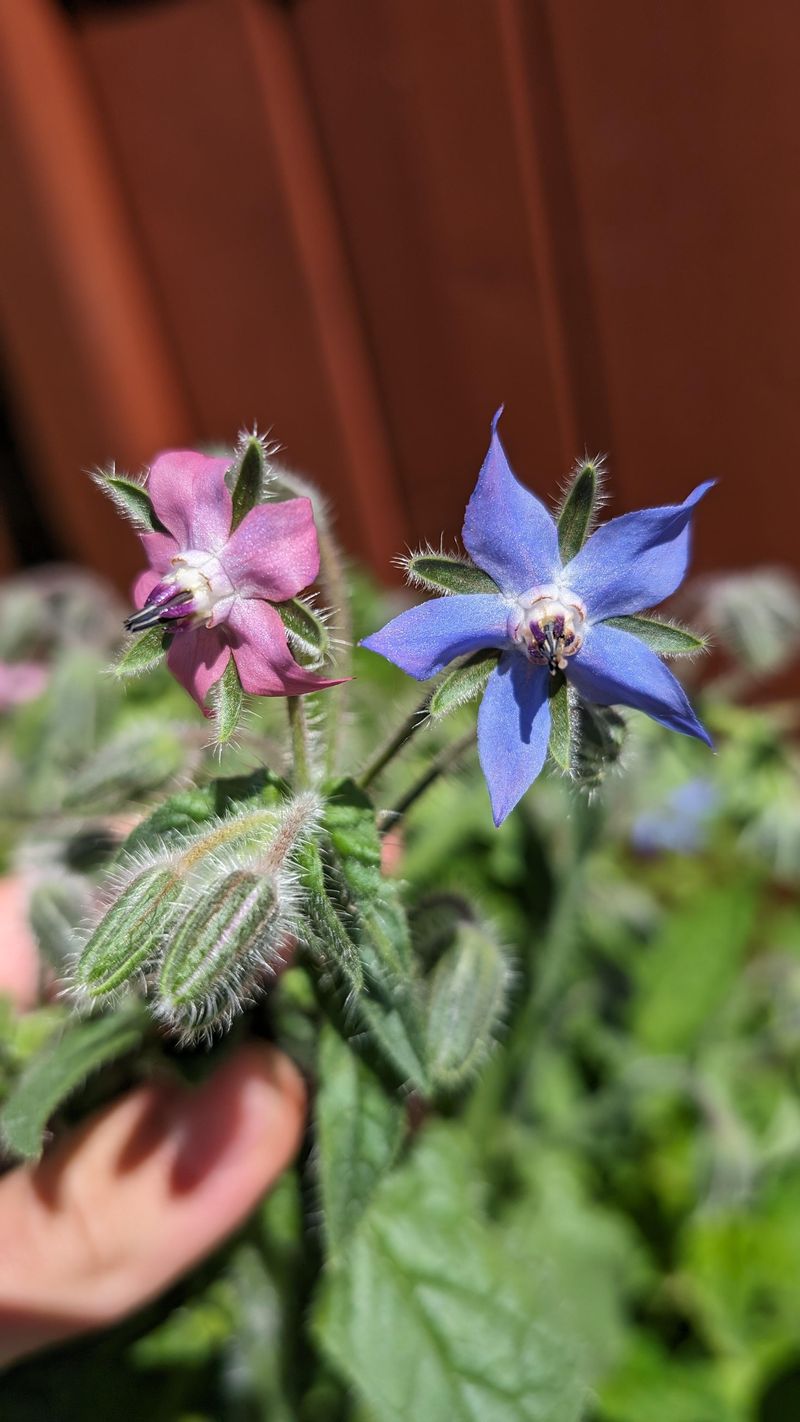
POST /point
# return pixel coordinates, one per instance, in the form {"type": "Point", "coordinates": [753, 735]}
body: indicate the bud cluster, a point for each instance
{"type": "Point", "coordinates": [201, 923]}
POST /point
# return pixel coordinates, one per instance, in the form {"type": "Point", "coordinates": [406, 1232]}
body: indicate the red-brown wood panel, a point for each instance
{"type": "Point", "coordinates": [412, 101]}
{"type": "Point", "coordinates": [684, 143]}
{"type": "Point", "coordinates": [230, 204]}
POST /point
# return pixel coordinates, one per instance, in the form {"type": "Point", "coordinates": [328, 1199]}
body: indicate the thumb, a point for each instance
{"type": "Point", "coordinates": [138, 1194]}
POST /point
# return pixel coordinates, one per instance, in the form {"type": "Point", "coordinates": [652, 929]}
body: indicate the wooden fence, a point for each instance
{"type": "Point", "coordinates": [363, 224]}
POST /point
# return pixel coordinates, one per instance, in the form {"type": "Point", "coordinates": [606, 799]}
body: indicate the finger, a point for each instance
{"type": "Point", "coordinates": [19, 966]}
{"type": "Point", "coordinates": [140, 1193]}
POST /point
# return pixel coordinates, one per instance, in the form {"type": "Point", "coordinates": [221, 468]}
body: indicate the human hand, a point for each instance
{"type": "Point", "coordinates": [140, 1191]}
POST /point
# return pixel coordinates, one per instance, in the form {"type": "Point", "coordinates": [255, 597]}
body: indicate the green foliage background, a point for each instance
{"type": "Point", "coordinates": [605, 1225]}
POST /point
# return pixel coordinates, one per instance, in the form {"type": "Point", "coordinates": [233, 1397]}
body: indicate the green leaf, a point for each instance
{"type": "Point", "coordinates": [428, 1314]}
{"type": "Point", "coordinates": [359, 1131]}
{"type": "Point", "coordinates": [132, 500]}
{"type": "Point", "coordinates": [468, 993]}
{"type": "Point", "coordinates": [660, 637]}
{"type": "Point", "coordinates": [560, 744]}
{"type": "Point", "coordinates": [57, 905]}
{"type": "Point", "coordinates": [306, 629]}
{"type": "Point", "coordinates": [575, 519]}
{"type": "Point", "coordinates": [52, 1077]}
{"type": "Point", "coordinates": [142, 653]}
{"type": "Point", "coordinates": [190, 812]}
{"type": "Point", "coordinates": [228, 700]}
{"type": "Point", "coordinates": [249, 478]}
{"type": "Point", "coordinates": [135, 762]}
{"type": "Point", "coordinates": [445, 573]}
{"type": "Point", "coordinates": [464, 684]}
{"type": "Point", "coordinates": [684, 976]}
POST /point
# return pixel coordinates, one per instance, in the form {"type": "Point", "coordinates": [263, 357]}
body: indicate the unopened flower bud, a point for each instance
{"type": "Point", "coordinates": [131, 932]}
{"type": "Point", "coordinates": [234, 930]}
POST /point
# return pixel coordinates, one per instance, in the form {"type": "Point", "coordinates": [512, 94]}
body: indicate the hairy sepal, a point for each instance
{"type": "Point", "coordinates": [579, 508]}
{"type": "Point", "coordinates": [466, 683]}
{"type": "Point", "coordinates": [666, 639]}
{"type": "Point", "coordinates": [142, 653]}
{"type": "Point", "coordinates": [446, 573]}
{"type": "Point", "coordinates": [131, 498]}
{"type": "Point", "coordinates": [248, 477]}
{"type": "Point", "coordinates": [306, 630]}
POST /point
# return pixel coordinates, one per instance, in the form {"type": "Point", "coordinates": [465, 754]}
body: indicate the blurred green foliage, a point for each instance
{"type": "Point", "coordinates": [605, 1223]}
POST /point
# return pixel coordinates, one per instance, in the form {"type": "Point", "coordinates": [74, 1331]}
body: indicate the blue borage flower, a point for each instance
{"type": "Point", "coordinates": [547, 618]}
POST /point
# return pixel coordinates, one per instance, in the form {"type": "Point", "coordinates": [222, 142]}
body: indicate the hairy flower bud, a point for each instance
{"type": "Point", "coordinates": [131, 932]}
{"type": "Point", "coordinates": [233, 932]}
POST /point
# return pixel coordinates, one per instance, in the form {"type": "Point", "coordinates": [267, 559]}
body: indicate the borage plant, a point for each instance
{"type": "Point", "coordinates": [259, 903]}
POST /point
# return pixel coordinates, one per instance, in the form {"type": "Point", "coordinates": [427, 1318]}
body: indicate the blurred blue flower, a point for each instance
{"type": "Point", "coordinates": [681, 823]}
{"type": "Point", "coordinates": [547, 618]}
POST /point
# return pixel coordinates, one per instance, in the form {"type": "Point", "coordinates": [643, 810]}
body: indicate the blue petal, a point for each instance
{"type": "Point", "coordinates": [635, 561]}
{"type": "Point", "coordinates": [507, 531]}
{"type": "Point", "coordinates": [423, 640]}
{"type": "Point", "coordinates": [615, 669]}
{"type": "Point", "coordinates": [513, 730]}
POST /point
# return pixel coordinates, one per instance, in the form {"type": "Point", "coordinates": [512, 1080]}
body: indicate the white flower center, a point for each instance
{"type": "Point", "coordinates": [549, 624]}
{"type": "Point", "coordinates": [203, 578]}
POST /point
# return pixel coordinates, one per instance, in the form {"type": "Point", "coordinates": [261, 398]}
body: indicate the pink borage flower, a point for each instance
{"type": "Point", "coordinates": [212, 587]}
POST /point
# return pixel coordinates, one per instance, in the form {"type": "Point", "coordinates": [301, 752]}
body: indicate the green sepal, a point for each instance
{"type": "Point", "coordinates": [597, 743]}
{"type": "Point", "coordinates": [142, 653]}
{"type": "Point", "coordinates": [444, 573]}
{"type": "Point", "coordinates": [468, 990]}
{"type": "Point", "coordinates": [56, 1072]}
{"type": "Point", "coordinates": [577, 510]}
{"type": "Point", "coordinates": [132, 500]}
{"type": "Point", "coordinates": [306, 629]}
{"type": "Point", "coordinates": [559, 744]}
{"type": "Point", "coordinates": [660, 637]}
{"type": "Point", "coordinates": [464, 684]}
{"type": "Point", "coordinates": [248, 479]}
{"type": "Point", "coordinates": [228, 701]}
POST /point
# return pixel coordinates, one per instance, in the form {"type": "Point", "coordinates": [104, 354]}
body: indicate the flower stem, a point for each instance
{"type": "Point", "coordinates": [395, 743]}
{"type": "Point", "coordinates": [337, 596]}
{"type": "Point", "coordinates": [438, 767]}
{"type": "Point", "coordinates": [301, 751]}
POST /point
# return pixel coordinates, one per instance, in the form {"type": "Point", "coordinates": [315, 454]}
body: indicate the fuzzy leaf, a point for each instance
{"type": "Point", "coordinates": [248, 479]}
{"type": "Point", "coordinates": [306, 629]}
{"type": "Point", "coordinates": [228, 702]}
{"type": "Point", "coordinates": [464, 684]}
{"type": "Point", "coordinates": [54, 1075]}
{"type": "Point", "coordinates": [190, 812]}
{"type": "Point", "coordinates": [468, 990]}
{"type": "Point", "coordinates": [359, 1130]}
{"type": "Point", "coordinates": [560, 722]}
{"type": "Point", "coordinates": [429, 1314]}
{"type": "Point", "coordinates": [447, 574]}
{"type": "Point", "coordinates": [130, 766]}
{"type": "Point", "coordinates": [142, 653]}
{"type": "Point", "coordinates": [132, 500]}
{"type": "Point", "coordinates": [56, 907]}
{"type": "Point", "coordinates": [575, 519]}
{"type": "Point", "coordinates": [660, 637]}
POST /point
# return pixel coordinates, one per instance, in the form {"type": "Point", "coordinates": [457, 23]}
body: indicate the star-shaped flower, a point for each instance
{"type": "Point", "coordinates": [548, 619]}
{"type": "Point", "coordinates": [212, 587]}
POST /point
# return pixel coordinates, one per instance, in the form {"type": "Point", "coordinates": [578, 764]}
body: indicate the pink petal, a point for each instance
{"type": "Point", "coordinates": [274, 552]}
{"type": "Point", "coordinates": [191, 498]}
{"type": "Point", "coordinates": [265, 664]}
{"type": "Point", "coordinates": [143, 585]}
{"type": "Point", "coordinates": [160, 549]}
{"type": "Point", "coordinates": [197, 658]}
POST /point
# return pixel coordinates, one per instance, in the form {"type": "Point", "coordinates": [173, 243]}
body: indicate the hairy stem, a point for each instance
{"type": "Point", "coordinates": [437, 768]}
{"type": "Point", "coordinates": [337, 597]}
{"type": "Point", "coordinates": [395, 743]}
{"type": "Point", "coordinates": [301, 750]}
